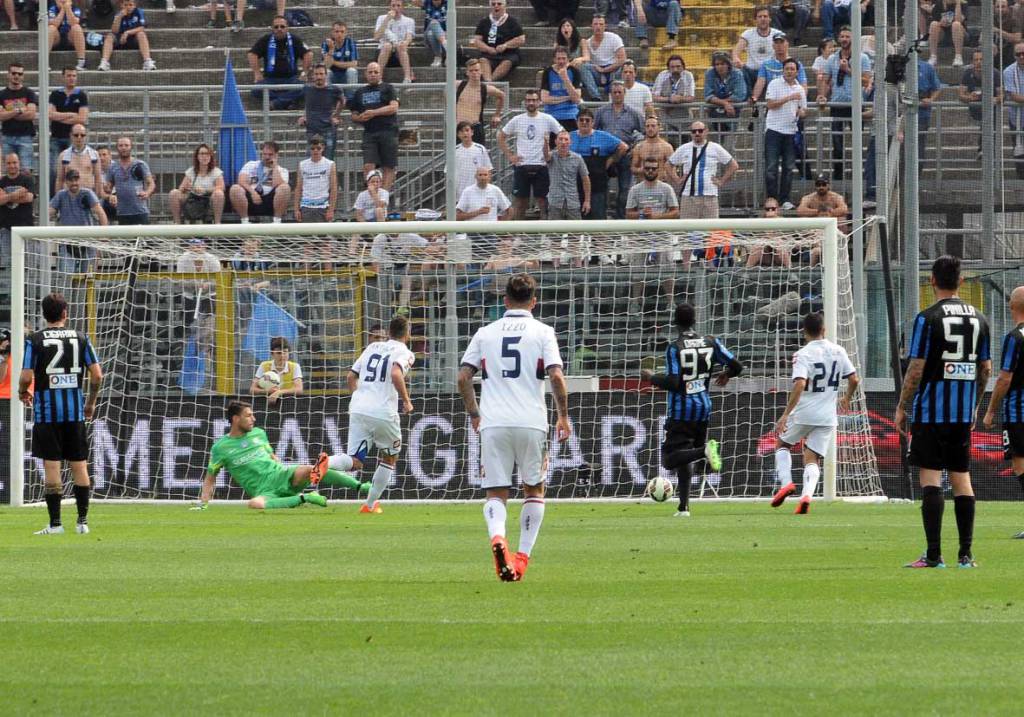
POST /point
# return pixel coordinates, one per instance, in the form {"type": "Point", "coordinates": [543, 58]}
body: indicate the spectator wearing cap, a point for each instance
{"type": "Point", "coordinates": [275, 60]}
{"type": "Point", "coordinates": [372, 203]}
{"type": "Point", "coordinates": [201, 189]}
{"type": "Point", "coordinates": [756, 42]}
{"type": "Point", "coordinates": [75, 207]}
{"type": "Point", "coordinates": [600, 151]}
{"type": "Point", "coordinates": [198, 295]}
{"type": "Point", "coordinates": [786, 100]}
{"type": "Point", "coordinates": [131, 179]}
{"type": "Point", "coordinates": [316, 188]}
{"type": "Point", "coordinates": [725, 89]}
{"type": "Point", "coordinates": [772, 68]}
{"type": "Point", "coordinates": [262, 189]}
{"type": "Point", "coordinates": [323, 106]}
{"type": "Point", "coordinates": [375, 107]}
{"type": "Point", "coordinates": [823, 202]}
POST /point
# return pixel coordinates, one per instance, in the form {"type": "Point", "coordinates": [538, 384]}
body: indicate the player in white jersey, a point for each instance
{"type": "Point", "coordinates": [379, 393]}
{"type": "Point", "coordinates": [513, 355]}
{"type": "Point", "coordinates": [810, 414]}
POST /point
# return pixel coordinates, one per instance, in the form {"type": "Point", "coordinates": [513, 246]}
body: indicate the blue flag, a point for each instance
{"type": "Point", "coordinates": [193, 369]}
{"type": "Point", "coordinates": [236, 144]}
{"type": "Point", "coordinates": [268, 320]}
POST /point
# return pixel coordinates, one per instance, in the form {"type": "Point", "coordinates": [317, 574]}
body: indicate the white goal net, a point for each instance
{"type": "Point", "coordinates": [181, 317]}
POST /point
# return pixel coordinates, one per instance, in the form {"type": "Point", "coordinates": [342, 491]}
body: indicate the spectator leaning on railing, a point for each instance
{"type": "Point", "coordinates": [201, 190]}
{"type": "Point", "coordinates": [65, 29]}
{"type": "Point", "coordinates": [323, 110]}
{"type": "Point", "coordinates": [316, 187]}
{"type": "Point", "coordinates": [341, 56]}
{"type": "Point", "coordinates": [674, 85]}
{"type": "Point", "coordinates": [375, 107]}
{"type": "Point", "coordinates": [17, 195]}
{"type": "Point", "coordinates": [726, 91]}
{"type": "Point", "coordinates": [638, 95]}
{"type": "Point", "coordinates": [275, 59]}
{"type": "Point", "coordinates": [18, 109]}
{"type": "Point", "coordinates": [498, 37]}
{"type": "Point", "coordinates": [127, 32]}
{"type": "Point", "coordinates": [395, 32]}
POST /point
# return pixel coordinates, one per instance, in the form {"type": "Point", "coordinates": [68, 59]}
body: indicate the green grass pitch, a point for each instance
{"type": "Point", "coordinates": [625, 610]}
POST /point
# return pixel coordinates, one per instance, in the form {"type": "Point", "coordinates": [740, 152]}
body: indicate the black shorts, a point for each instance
{"type": "Point", "coordinates": [941, 446]}
{"type": "Point", "coordinates": [532, 177]}
{"type": "Point", "coordinates": [479, 135]}
{"type": "Point", "coordinates": [264, 208]}
{"type": "Point", "coordinates": [64, 44]}
{"type": "Point", "coordinates": [381, 148]}
{"type": "Point", "coordinates": [495, 60]}
{"type": "Point", "coordinates": [60, 441]}
{"type": "Point", "coordinates": [131, 44]}
{"type": "Point", "coordinates": [683, 435]}
{"type": "Point", "coordinates": [1013, 441]}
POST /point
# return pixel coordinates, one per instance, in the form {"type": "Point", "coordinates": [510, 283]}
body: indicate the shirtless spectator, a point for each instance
{"type": "Point", "coordinates": [85, 159]}
{"type": "Point", "coordinates": [653, 146]}
{"type": "Point", "coordinates": [471, 99]}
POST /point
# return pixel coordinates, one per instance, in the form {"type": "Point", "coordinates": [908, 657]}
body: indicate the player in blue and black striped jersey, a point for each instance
{"type": "Point", "coordinates": [1008, 394]}
{"type": "Point", "coordinates": [688, 364]}
{"type": "Point", "coordinates": [950, 362]}
{"type": "Point", "coordinates": [57, 358]}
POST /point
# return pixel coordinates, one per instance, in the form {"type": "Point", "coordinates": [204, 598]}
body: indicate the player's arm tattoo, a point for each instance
{"type": "Point", "coordinates": [560, 390]}
{"type": "Point", "coordinates": [466, 373]}
{"type": "Point", "coordinates": [911, 380]}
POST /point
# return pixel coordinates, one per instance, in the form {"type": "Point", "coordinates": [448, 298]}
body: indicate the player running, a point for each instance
{"type": "Point", "coordinates": [688, 363]}
{"type": "Point", "coordinates": [949, 363]}
{"type": "Point", "coordinates": [1008, 393]}
{"type": "Point", "coordinates": [377, 382]}
{"type": "Point", "coordinates": [57, 358]}
{"type": "Point", "coordinates": [810, 414]}
{"type": "Point", "coordinates": [513, 354]}
{"type": "Point", "coordinates": [247, 455]}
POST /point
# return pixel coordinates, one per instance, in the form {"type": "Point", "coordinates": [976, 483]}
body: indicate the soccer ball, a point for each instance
{"type": "Point", "coordinates": [269, 381]}
{"type": "Point", "coordinates": [660, 489]}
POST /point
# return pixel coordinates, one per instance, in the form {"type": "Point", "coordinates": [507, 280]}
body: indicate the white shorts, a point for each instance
{"type": "Point", "coordinates": [816, 438]}
{"type": "Point", "coordinates": [370, 432]}
{"type": "Point", "coordinates": [505, 448]}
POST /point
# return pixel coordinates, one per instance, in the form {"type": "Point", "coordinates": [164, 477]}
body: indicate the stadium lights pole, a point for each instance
{"type": "Point", "coordinates": [450, 174]}
{"type": "Point", "coordinates": [911, 224]}
{"type": "Point", "coordinates": [857, 191]}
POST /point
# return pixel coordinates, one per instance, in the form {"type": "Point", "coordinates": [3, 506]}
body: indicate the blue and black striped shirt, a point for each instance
{"type": "Point", "coordinates": [1013, 402]}
{"type": "Point", "coordinates": [690, 358]}
{"type": "Point", "coordinates": [59, 358]}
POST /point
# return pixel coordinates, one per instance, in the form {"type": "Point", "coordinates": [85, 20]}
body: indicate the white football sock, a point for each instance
{"type": "Point", "coordinates": [784, 467]}
{"type": "Point", "coordinates": [245, 220]}
{"type": "Point", "coordinates": [381, 478]}
{"type": "Point", "coordinates": [495, 514]}
{"type": "Point", "coordinates": [529, 523]}
{"type": "Point", "coordinates": [277, 220]}
{"type": "Point", "coordinates": [340, 462]}
{"type": "Point", "coordinates": [811, 473]}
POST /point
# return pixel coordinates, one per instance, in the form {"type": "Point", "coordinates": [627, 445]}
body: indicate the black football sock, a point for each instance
{"type": "Point", "coordinates": [1020, 479]}
{"type": "Point", "coordinates": [932, 505]}
{"type": "Point", "coordinates": [683, 472]}
{"type": "Point", "coordinates": [963, 506]}
{"type": "Point", "coordinates": [53, 508]}
{"type": "Point", "coordinates": [673, 460]}
{"type": "Point", "coordinates": [82, 501]}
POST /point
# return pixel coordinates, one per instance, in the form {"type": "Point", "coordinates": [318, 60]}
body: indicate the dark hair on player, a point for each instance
{"type": "Point", "coordinates": [279, 343]}
{"type": "Point", "coordinates": [54, 305]}
{"type": "Point", "coordinates": [813, 324]}
{"type": "Point", "coordinates": [521, 288]}
{"type": "Point", "coordinates": [399, 327]}
{"type": "Point", "coordinates": [235, 408]}
{"type": "Point", "coordinates": [946, 271]}
{"type": "Point", "coordinates": [686, 315]}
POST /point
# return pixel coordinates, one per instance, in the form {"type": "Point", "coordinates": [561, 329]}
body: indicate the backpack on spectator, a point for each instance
{"type": "Point", "coordinates": [298, 18]}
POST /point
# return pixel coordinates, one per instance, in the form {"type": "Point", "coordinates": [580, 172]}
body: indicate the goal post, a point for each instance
{"type": "Point", "coordinates": [608, 287]}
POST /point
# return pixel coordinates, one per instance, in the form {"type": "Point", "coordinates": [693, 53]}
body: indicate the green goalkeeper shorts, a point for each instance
{"type": "Point", "coordinates": [276, 483]}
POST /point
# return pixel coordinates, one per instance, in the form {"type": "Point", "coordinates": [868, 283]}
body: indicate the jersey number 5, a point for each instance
{"type": "Point", "coordinates": [509, 351]}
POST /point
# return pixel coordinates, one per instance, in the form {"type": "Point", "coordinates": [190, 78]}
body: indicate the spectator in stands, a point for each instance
{"type": "Point", "coordinates": [109, 201]}
{"type": "Point", "coordinates": [127, 32]}
{"type": "Point", "coordinates": [652, 146]}
{"type": "Point", "coordinates": [674, 85]}
{"type": "Point", "coordinates": [65, 29]}
{"type": "Point", "coordinates": [133, 182]}
{"type": "Point", "coordinates": [395, 32]}
{"type": "Point", "coordinates": [375, 106]}
{"type": "Point", "coordinates": [323, 107]}
{"type": "Point", "coordinates": [600, 151]}
{"type": "Point", "coordinates": [201, 190]}
{"type": "Point", "coordinates": [607, 56]}
{"type": "Point", "coordinates": [85, 159]}
{"type": "Point", "coordinates": [549, 12]}
{"type": "Point", "coordinates": [820, 66]}
{"type": "Point", "coordinates": [725, 90]}
{"type": "Point", "coordinates": [838, 89]}
{"type": "Point", "coordinates": [235, 25]}
{"type": "Point", "coordinates": [482, 201]}
{"type": "Point", "coordinates": [12, 20]}
{"type": "Point", "coordinates": [568, 36]}
{"type": "Point", "coordinates": [17, 195]}
{"type": "Point", "coordinates": [262, 189]}
{"type": "Point", "coordinates": [947, 15]}
{"type": "Point", "coordinates": [657, 13]}
{"type": "Point", "coordinates": [792, 17]}
{"type": "Point", "coordinates": [628, 125]}
{"type": "Point", "coordinates": [560, 90]}
{"type": "Point", "coordinates": [341, 56]}
{"type": "Point", "coordinates": [435, 24]}
{"type": "Point", "coordinates": [970, 91]}
{"type": "Point", "coordinates": [198, 295]}
{"type": "Point", "coordinates": [471, 99]}
{"type": "Point", "coordinates": [772, 68]}
{"type": "Point", "coordinates": [248, 260]}
{"type": "Point", "coordinates": [239, 24]}
{"type": "Point", "coordinates": [823, 202]}
{"type": "Point", "coordinates": [566, 169]}
{"type": "Point", "coordinates": [696, 166]}
{"type": "Point", "coordinates": [1007, 29]}
{"type": "Point", "coordinates": [929, 87]}
{"type": "Point", "coordinates": [651, 199]}
{"type": "Point", "coordinates": [289, 371]}
{"type": "Point", "coordinates": [75, 207]}
{"type": "Point", "coordinates": [774, 253]}
{"type": "Point", "coordinates": [638, 95]}
{"type": "Point", "coordinates": [498, 38]}
{"type": "Point", "coordinates": [469, 156]}
{"type": "Point", "coordinates": [18, 110]}
{"type": "Point", "coordinates": [274, 60]}
{"type": "Point", "coordinates": [316, 187]}
{"type": "Point", "coordinates": [616, 12]}
{"type": "Point", "coordinates": [68, 106]}
{"type": "Point", "coordinates": [757, 43]}
{"type": "Point", "coordinates": [786, 100]}
{"type": "Point", "coordinates": [372, 203]}
{"type": "Point", "coordinates": [837, 13]}
{"type": "Point", "coordinates": [531, 132]}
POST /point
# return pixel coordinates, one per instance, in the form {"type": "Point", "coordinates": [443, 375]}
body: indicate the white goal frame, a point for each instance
{"type": "Point", "coordinates": [828, 228]}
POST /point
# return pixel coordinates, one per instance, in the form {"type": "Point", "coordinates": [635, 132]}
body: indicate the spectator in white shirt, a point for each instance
{"type": "Point", "coordinates": [201, 190]}
{"type": "Point", "coordinates": [469, 156]}
{"type": "Point", "coordinates": [786, 100]}
{"type": "Point", "coordinates": [531, 131]}
{"type": "Point", "coordinates": [757, 43]}
{"type": "Point", "coordinates": [638, 95]}
{"type": "Point", "coordinates": [482, 201]}
{"type": "Point", "coordinates": [262, 188]}
{"type": "Point", "coordinates": [607, 56]}
{"type": "Point", "coordinates": [372, 203]}
{"type": "Point", "coordinates": [696, 166]}
{"type": "Point", "coordinates": [395, 32]}
{"type": "Point", "coordinates": [316, 188]}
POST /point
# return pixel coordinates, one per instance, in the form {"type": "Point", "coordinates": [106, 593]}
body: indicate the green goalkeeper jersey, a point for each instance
{"type": "Point", "coordinates": [250, 461]}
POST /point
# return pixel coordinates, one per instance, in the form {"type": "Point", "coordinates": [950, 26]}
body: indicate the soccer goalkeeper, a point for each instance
{"type": "Point", "coordinates": [246, 453]}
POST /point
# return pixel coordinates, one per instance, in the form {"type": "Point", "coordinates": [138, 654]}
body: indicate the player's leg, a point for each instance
{"type": "Point", "coordinates": [1013, 451]}
{"type": "Point", "coordinates": [53, 494]}
{"type": "Point", "coordinates": [958, 461]}
{"type": "Point", "coordinates": [382, 476]}
{"type": "Point", "coordinates": [784, 465]}
{"type": "Point", "coordinates": [531, 456]}
{"type": "Point", "coordinates": [387, 434]}
{"type": "Point", "coordinates": [926, 452]}
{"type": "Point", "coordinates": [816, 444]}
{"type": "Point", "coordinates": [81, 489]}
{"type": "Point", "coordinates": [497, 461]}
{"type": "Point", "coordinates": [303, 475]}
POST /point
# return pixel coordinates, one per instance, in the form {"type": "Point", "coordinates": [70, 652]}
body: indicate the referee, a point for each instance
{"type": "Point", "coordinates": [57, 359]}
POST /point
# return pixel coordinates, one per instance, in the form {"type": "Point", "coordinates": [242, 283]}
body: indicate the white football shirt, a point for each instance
{"type": "Point", "coordinates": [715, 157]}
{"type": "Point", "coordinates": [759, 47]}
{"type": "Point", "coordinates": [316, 182]}
{"type": "Point", "coordinates": [467, 161]}
{"type": "Point", "coordinates": [513, 355]}
{"type": "Point", "coordinates": [375, 395]}
{"type": "Point", "coordinates": [823, 365]}
{"type": "Point", "coordinates": [473, 198]}
{"type": "Point", "coordinates": [531, 133]}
